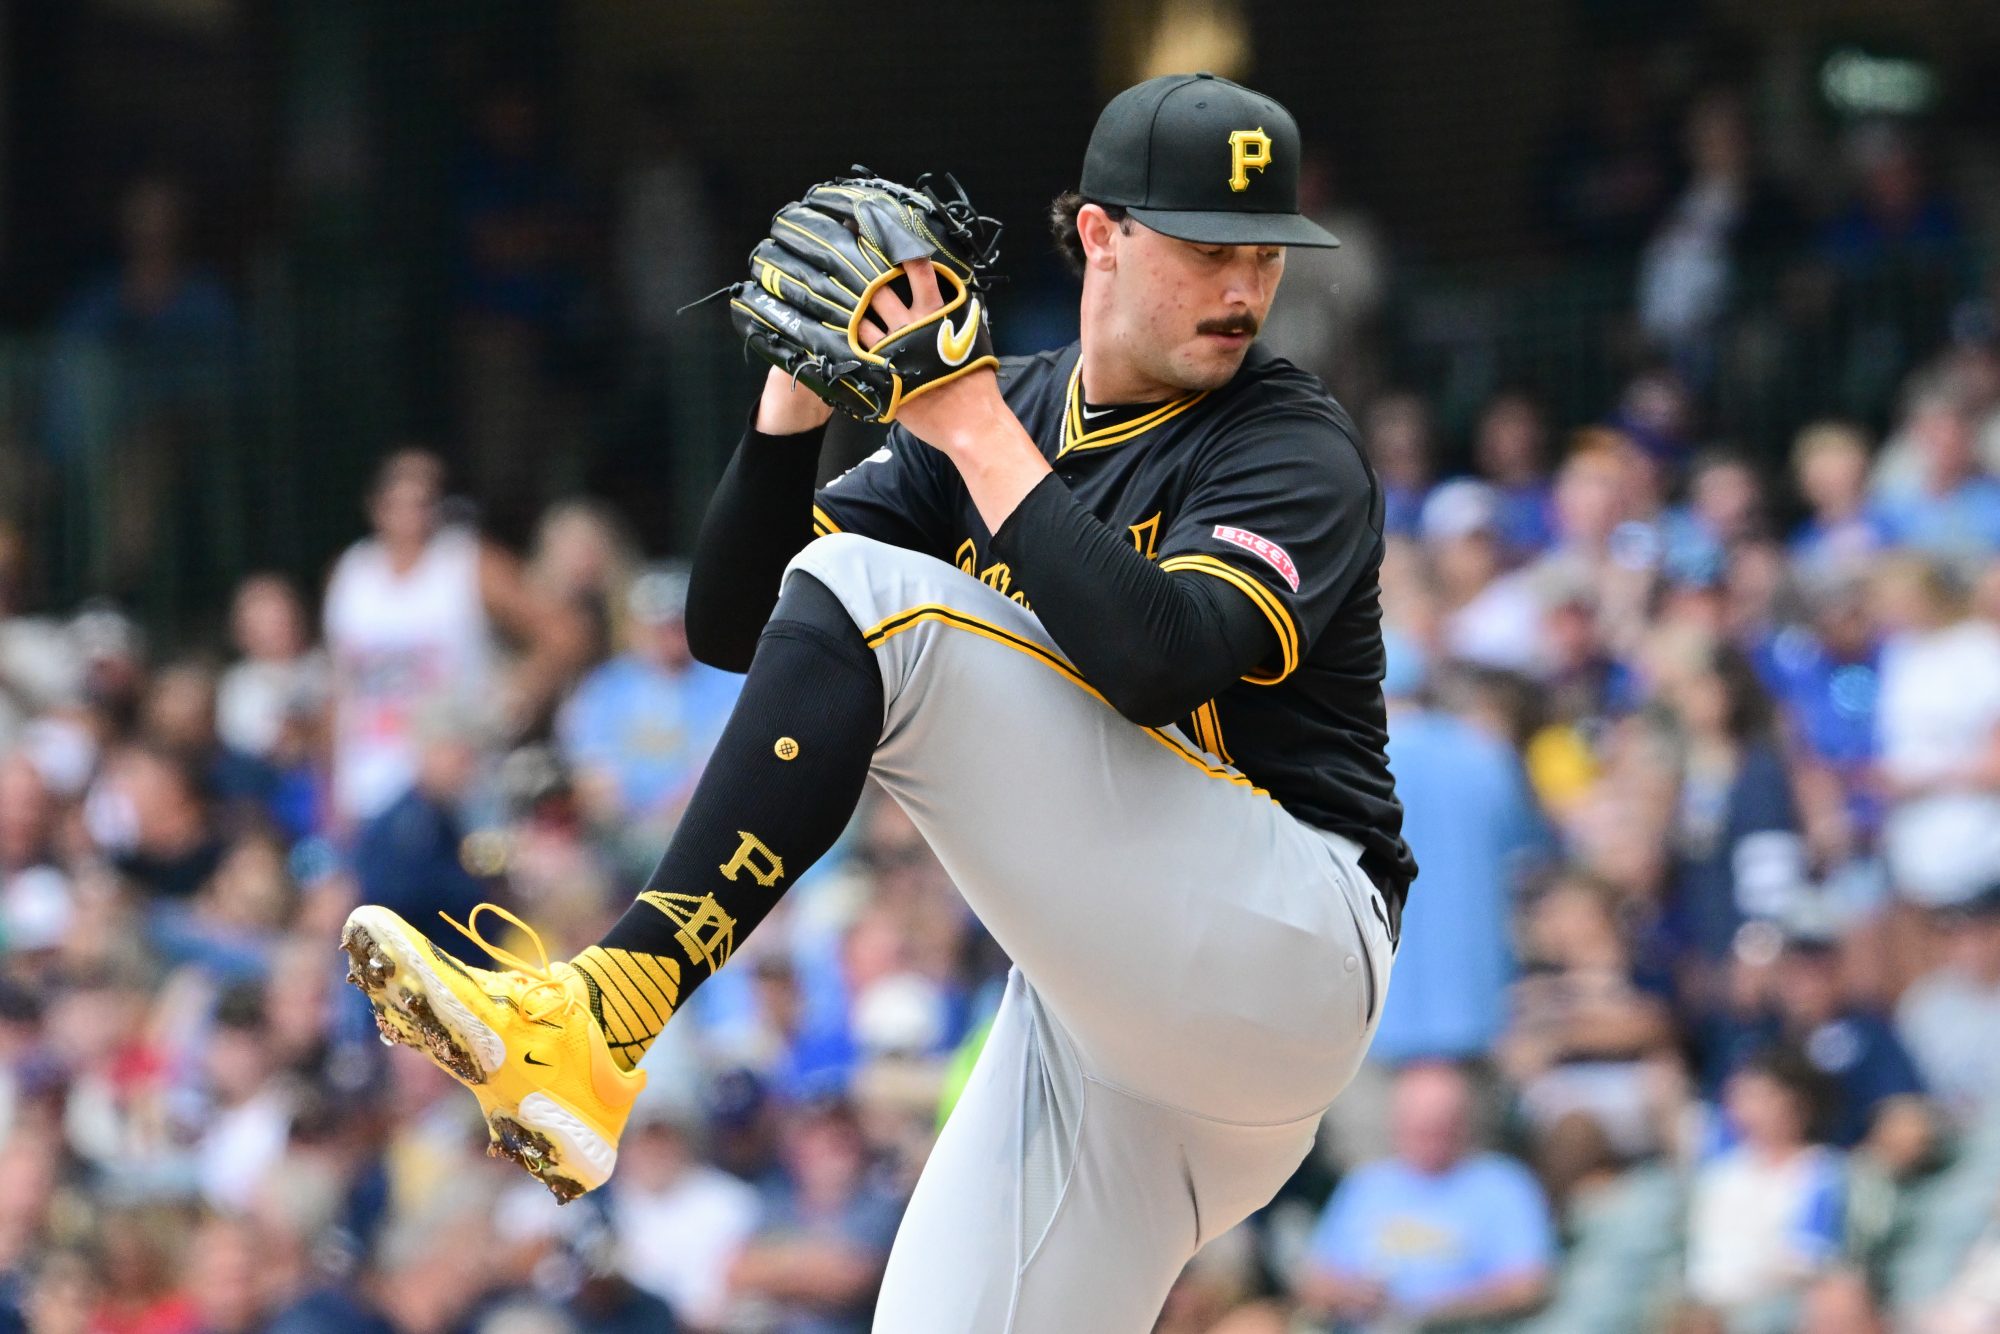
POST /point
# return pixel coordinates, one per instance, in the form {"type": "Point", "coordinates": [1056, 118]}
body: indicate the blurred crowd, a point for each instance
{"type": "Point", "coordinates": [205, 1131]}
{"type": "Point", "coordinates": [1772, 265]}
{"type": "Point", "coordinates": [1708, 930]}
{"type": "Point", "coordinates": [1689, 1029]}
{"type": "Point", "coordinates": [1698, 737]}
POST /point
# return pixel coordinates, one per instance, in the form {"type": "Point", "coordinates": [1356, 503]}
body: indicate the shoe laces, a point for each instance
{"type": "Point", "coordinates": [544, 993]}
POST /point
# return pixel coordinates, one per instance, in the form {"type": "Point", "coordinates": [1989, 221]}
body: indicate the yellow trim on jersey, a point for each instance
{"type": "Point", "coordinates": [1076, 437]}
{"type": "Point", "coordinates": [1208, 732]}
{"type": "Point", "coordinates": [958, 620]}
{"type": "Point", "coordinates": [823, 523]}
{"type": "Point", "coordinates": [1146, 536]}
{"type": "Point", "coordinates": [1267, 602]}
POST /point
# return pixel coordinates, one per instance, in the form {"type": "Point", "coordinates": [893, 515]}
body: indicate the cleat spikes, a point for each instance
{"type": "Point", "coordinates": [368, 967]}
{"type": "Point", "coordinates": [404, 1016]}
{"type": "Point", "coordinates": [533, 1152]}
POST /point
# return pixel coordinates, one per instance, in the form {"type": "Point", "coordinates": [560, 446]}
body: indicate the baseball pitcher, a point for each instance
{"type": "Point", "coordinates": [1105, 622]}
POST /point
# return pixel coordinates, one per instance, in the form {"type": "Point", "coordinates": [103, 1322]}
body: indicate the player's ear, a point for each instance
{"type": "Point", "coordinates": [1096, 232]}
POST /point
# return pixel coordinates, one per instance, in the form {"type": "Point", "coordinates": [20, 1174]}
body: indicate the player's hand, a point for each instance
{"type": "Point", "coordinates": [789, 408]}
{"type": "Point", "coordinates": [815, 276]}
{"type": "Point", "coordinates": [950, 411]}
{"type": "Point", "coordinates": [890, 312]}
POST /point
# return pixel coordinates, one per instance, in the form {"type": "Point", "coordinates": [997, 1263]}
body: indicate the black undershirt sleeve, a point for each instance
{"type": "Point", "coordinates": [1158, 645]}
{"type": "Point", "coordinates": [759, 518]}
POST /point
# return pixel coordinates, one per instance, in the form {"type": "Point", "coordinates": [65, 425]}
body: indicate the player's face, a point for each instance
{"type": "Point", "coordinates": [1184, 313]}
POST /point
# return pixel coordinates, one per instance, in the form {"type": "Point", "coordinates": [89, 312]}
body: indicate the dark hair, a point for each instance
{"type": "Point", "coordinates": [1062, 225]}
{"type": "Point", "coordinates": [241, 1008]}
{"type": "Point", "coordinates": [1811, 1090]}
{"type": "Point", "coordinates": [1751, 715]}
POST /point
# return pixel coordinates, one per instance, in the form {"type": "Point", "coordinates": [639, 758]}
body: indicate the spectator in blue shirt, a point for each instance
{"type": "Point", "coordinates": [1739, 852]}
{"type": "Point", "coordinates": [1830, 469]}
{"type": "Point", "coordinates": [641, 726]}
{"type": "Point", "coordinates": [1865, 1064]}
{"type": "Point", "coordinates": [1471, 821]}
{"type": "Point", "coordinates": [1898, 213]}
{"type": "Point", "coordinates": [1510, 450]}
{"type": "Point", "coordinates": [1439, 1232]}
{"type": "Point", "coordinates": [167, 321]}
{"type": "Point", "coordinates": [825, 1239]}
{"type": "Point", "coordinates": [1954, 510]}
{"type": "Point", "coordinates": [1401, 447]}
{"type": "Point", "coordinates": [1725, 508]}
{"type": "Point", "coordinates": [409, 858]}
{"type": "Point", "coordinates": [1825, 677]}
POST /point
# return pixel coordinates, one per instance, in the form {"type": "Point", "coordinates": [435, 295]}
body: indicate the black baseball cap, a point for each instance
{"type": "Point", "coordinates": [1202, 159]}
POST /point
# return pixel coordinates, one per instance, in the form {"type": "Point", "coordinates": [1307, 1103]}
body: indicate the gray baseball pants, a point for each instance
{"type": "Point", "coordinates": [1197, 974]}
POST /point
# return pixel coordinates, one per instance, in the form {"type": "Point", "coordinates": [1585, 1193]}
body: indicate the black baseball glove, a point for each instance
{"type": "Point", "coordinates": [809, 305]}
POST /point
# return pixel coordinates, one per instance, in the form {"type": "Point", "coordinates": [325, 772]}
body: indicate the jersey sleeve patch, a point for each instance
{"type": "Point", "coordinates": [1264, 549]}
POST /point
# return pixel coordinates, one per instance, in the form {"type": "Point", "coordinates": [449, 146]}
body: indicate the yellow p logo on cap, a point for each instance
{"type": "Point", "coordinates": [1247, 149]}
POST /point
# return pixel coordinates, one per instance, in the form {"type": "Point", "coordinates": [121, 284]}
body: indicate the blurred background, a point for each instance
{"type": "Point", "coordinates": [1673, 330]}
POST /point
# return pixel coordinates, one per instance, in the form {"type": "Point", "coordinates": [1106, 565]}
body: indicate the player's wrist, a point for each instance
{"type": "Point", "coordinates": [786, 408]}
{"type": "Point", "coordinates": [960, 417]}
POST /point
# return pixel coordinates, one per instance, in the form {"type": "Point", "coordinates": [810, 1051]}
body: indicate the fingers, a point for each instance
{"type": "Point", "coordinates": [924, 285]}
{"type": "Point", "coordinates": [891, 312]}
{"type": "Point", "coordinates": [890, 308]}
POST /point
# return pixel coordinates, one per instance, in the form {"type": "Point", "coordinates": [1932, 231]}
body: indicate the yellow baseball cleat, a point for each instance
{"type": "Point", "coordinates": [523, 1039]}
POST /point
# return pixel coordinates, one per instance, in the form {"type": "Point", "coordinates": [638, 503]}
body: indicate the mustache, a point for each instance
{"type": "Point", "coordinates": [1233, 324]}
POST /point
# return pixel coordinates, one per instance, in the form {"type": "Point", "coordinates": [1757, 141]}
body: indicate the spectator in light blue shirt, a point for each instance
{"type": "Point", "coordinates": [1402, 448]}
{"type": "Point", "coordinates": [1954, 510]}
{"type": "Point", "coordinates": [1439, 1232]}
{"type": "Point", "coordinates": [1470, 819]}
{"type": "Point", "coordinates": [1510, 449]}
{"type": "Point", "coordinates": [640, 727]}
{"type": "Point", "coordinates": [1830, 469]}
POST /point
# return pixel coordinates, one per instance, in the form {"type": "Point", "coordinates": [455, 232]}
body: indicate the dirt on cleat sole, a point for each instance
{"type": "Point", "coordinates": [405, 1018]}
{"type": "Point", "coordinates": [533, 1151]}
{"type": "Point", "coordinates": [371, 971]}
{"type": "Point", "coordinates": [368, 966]}
{"type": "Point", "coordinates": [438, 1041]}
{"type": "Point", "coordinates": [393, 1032]}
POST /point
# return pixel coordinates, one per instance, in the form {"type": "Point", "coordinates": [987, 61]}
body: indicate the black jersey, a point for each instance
{"type": "Point", "coordinates": [1261, 484]}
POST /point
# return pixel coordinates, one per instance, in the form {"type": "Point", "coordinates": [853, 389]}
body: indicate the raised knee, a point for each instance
{"type": "Point", "coordinates": [873, 578]}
